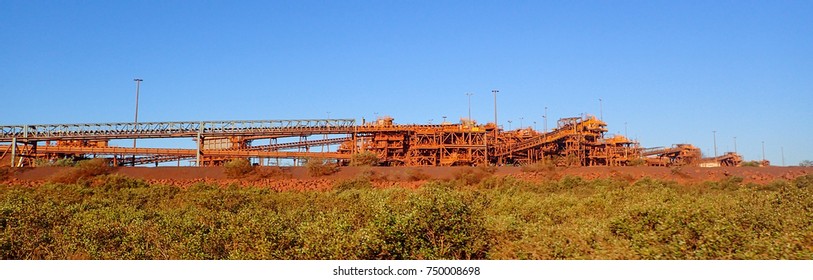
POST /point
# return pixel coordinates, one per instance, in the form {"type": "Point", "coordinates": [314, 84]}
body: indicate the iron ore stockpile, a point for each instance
{"type": "Point", "coordinates": [578, 141]}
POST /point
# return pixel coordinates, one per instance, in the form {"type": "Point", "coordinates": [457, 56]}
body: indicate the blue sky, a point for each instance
{"type": "Point", "coordinates": [673, 71]}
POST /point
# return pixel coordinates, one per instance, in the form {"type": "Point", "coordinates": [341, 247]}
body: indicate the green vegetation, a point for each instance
{"type": "Point", "coordinates": [498, 217]}
{"type": "Point", "coordinates": [366, 158]}
{"type": "Point", "coordinates": [752, 163]}
{"type": "Point", "coordinates": [68, 161]}
{"type": "Point", "coordinates": [637, 162]}
{"type": "Point", "coordinates": [321, 167]}
{"type": "Point", "coordinates": [416, 174]}
{"type": "Point", "coordinates": [806, 163]}
{"type": "Point", "coordinates": [237, 168]}
{"type": "Point", "coordinates": [84, 170]}
{"type": "Point", "coordinates": [473, 175]}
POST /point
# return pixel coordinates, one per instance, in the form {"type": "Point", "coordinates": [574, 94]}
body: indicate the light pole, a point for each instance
{"type": "Point", "coordinates": [444, 120]}
{"type": "Point", "coordinates": [495, 114]}
{"type": "Point", "coordinates": [135, 126]}
{"type": "Point", "coordinates": [546, 119]}
{"type": "Point", "coordinates": [534, 125]}
{"type": "Point", "coordinates": [520, 122]}
{"type": "Point", "coordinates": [763, 151]}
{"type": "Point", "coordinates": [469, 94]}
{"type": "Point", "coordinates": [509, 124]}
{"type": "Point", "coordinates": [328, 114]}
{"type": "Point", "coordinates": [714, 132]}
{"type": "Point", "coordinates": [600, 109]}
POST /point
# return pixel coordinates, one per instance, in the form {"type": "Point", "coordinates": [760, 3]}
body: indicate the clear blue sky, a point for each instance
{"type": "Point", "coordinates": [674, 71]}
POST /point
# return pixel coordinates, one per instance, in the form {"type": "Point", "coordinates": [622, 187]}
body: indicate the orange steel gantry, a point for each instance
{"type": "Point", "coordinates": [578, 141]}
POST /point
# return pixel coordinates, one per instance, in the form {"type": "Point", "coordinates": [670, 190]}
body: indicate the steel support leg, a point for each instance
{"type": "Point", "coordinates": [13, 151]}
{"type": "Point", "coordinates": [198, 153]}
{"type": "Point", "coordinates": [200, 144]}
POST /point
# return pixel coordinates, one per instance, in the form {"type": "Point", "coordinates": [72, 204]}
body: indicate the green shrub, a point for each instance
{"type": "Point", "coordinates": [637, 162]}
{"type": "Point", "coordinates": [416, 174]}
{"type": "Point", "coordinates": [729, 183]}
{"type": "Point", "coordinates": [237, 168]}
{"type": "Point", "coordinates": [271, 172]}
{"type": "Point", "coordinates": [366, 158]}
{"type": "Point", "coordinates": [84, 170]}
{"type": "Point", "coordinates": [679, 172]}
{"type": "Point", "coordinates": [115, 217]}
{"type": "Point", "coordinates": [539, 167]}
{"type": "Point", "coordinates": [321, 167]}
{"type": "Point", "coordinates": [358, 183]}
{"type": "Point", "coordinates": [63, 162]}
{"type": "Point", "coordinates": [473, 175]}
{"type": "Point", "coordinates": [546, 168]}
{"type": "Point", "coordinates": [117, 182]}
{"type": "Point", "coordinates": [438, 223]}
{"type": "Point", "coordinates": [572, 182]}
{"type": "Point", "coordinates": [805, 181]}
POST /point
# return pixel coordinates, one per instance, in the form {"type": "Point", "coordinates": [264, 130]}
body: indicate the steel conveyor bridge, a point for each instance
{"type": "Point", "coordinates": [30, 141]}
{"type": "Point", "coordinates": [141, 130]}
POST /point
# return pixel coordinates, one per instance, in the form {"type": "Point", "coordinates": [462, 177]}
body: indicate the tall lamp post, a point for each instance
{"type": "Point", "coordinates": [495, 114]}
{"type": "Point", "coordinates": [135, 127]}
{"type": "Point", "coordinates": [469, 94]}
{"type": "Point", "coordinates": [625, 130]}
{"type": "Point", "coordinates": [714, 133]}
{"type": "Point", "coordinates": [600, 109]}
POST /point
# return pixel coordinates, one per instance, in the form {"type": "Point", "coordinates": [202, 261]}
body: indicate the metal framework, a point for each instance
{"type": "Point", "coordinates": [123, 130]}
{"type": "Point", "coordinates": [577, 141]}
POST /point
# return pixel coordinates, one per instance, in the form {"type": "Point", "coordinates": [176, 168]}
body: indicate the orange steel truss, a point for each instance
{"type": "Point", "coordinates": [577, 141]}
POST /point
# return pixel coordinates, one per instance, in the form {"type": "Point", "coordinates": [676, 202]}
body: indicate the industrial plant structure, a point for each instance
{"type": "Point", "coordinates": [577, 141]}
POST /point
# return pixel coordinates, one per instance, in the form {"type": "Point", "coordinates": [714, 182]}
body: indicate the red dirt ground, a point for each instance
{"type": "Point", "coordinates": [297, 178]}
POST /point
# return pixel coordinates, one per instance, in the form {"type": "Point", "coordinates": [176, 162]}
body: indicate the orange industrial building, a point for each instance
{"type": "Point", "coordinates": [578, 141]}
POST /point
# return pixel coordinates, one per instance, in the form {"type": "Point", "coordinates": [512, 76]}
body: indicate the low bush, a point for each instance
{"type": "Point", "coordinates": [237, 168]}
{"type": "Point", "coordinates": [61, 162]}
{"type": "Point", "coordinates": [115, 217]}
{"type": "Point", "coordinates": [360, 182]}
{"type": "Point", "coordinates": [264, 172]}
{"type": "Point", "coordinates": [547, 168]}
{"type": "Point", "coordinates": [473, 175]}
{"type": "Point", "coordinates": [678, 171]}
{"type": "Point", "coordinates": [637, 162]}
{"type": "Point", "coordinates": [321, 167]}
{"type": "Point", "coordinates": [416, 174]}
{"type": "Point", "coordinates": [366, 158]}
{"type": "Point", "coordinates": [805, 181]}
{"type": "Point", "coordinates": [83, 171]}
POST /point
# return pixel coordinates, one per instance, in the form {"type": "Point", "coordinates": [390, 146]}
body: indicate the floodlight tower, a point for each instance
{"type": "Point", "coordinates": [135, 126]}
